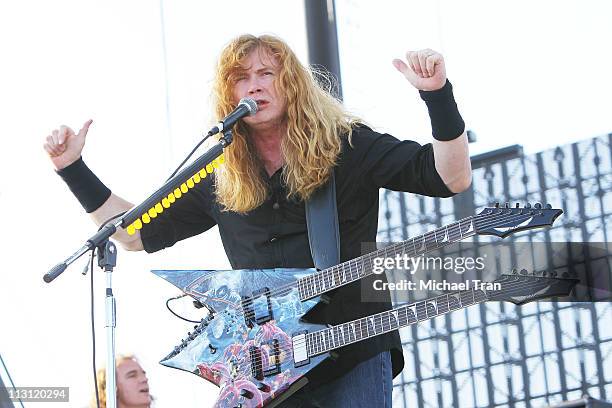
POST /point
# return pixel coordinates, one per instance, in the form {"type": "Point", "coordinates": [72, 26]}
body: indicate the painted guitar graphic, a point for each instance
{"type": "Point", "coordinates": [247, 344]}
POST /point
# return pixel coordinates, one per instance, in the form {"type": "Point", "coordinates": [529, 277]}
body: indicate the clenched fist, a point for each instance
{"type": "Point", "coordinates": [64, 146]}
{"type": "Point", "coordinates": [424, 69]}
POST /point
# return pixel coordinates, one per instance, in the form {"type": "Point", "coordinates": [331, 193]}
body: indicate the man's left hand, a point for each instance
{"type": "Point", "coordinates": [424, 69]}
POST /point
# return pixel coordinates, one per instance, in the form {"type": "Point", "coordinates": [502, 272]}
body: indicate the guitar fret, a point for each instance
{"type": "Point", "coordinates": [430, 309]}
{"type": "Point", "coordinates": [393, 320]}
{"type": "Point", "coordinates": [479, 295]}
{"type": "Point", "coordinates": [421, 312]}
{"type": "Point", "coordinates": [443, 304]}
{"type": "Point", "coordinates": [370, 325]}
{"type": "Point", "coordinates": [467, 297]}
{"type": "Point", "coordinates": [307, 286]}
{"type": "Point", "coordinates": [299, 288]}
{"type": "Point", "coordinates": [453, 301]}
{"type": "Point", "coordinates": [359, 330]}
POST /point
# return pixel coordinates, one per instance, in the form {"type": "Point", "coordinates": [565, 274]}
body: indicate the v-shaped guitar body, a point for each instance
{"type": "Point", "coordinates": [249, 357]}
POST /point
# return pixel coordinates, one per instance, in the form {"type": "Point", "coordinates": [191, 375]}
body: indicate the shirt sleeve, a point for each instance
{"type": "Point", "coordinates": [399, 165]}
{"type": "Point", "coordinates": [186, 217]}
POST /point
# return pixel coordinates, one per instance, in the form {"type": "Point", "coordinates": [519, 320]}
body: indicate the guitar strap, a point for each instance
{"type": "Point", "coordinates": [322, 223]}
{"type": "Point", "coordinates": [324, 240]}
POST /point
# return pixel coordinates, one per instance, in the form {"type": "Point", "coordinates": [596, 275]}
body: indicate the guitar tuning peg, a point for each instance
{"type": "Point", "coordinates": [538, 206]}
{"type": "Point", "coordinates": [548, 206]}
{"type": "Point", "coordinates": [517, 205]}
{"type": "Point", "coordinates": [514, 271]}
{"type": "Point", "coordinates": [528, 205]}
{"type": "Point", "coordinates": [523, 271]}
{"type": "Point", "coordinates": [507, 205]}
{"type": "Point", "coordinates": [553, 274]}
{"type": "Point", "coordinates": [496, 205]}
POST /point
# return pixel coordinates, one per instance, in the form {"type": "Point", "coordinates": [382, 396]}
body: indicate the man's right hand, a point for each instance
{"type": "Point", "coordinates": [64, 146]}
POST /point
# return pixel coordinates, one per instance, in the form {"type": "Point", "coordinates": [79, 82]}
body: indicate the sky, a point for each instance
{"type": "Point", "coordinates": [524, 72]}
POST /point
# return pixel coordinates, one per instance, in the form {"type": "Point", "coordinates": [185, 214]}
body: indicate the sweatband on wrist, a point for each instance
{"type": "Point", "coordinates": [446, 121]}
{"type": "Point", "coordinates": [85, 185]}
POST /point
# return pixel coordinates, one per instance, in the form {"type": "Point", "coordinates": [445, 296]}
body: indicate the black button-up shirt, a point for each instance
{"type": "Point", "coordinates": [274, 235]}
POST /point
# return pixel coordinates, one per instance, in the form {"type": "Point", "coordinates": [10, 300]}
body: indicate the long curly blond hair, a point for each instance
{"type": "Point", "coordinates": [315, 123]}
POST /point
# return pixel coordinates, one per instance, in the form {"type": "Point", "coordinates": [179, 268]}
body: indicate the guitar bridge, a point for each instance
{"type": "Point", "coordinates": [256, 366]}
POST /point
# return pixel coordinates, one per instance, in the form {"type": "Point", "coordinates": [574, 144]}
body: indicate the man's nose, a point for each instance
{"type": "Point", "coordinates": [254, 86]}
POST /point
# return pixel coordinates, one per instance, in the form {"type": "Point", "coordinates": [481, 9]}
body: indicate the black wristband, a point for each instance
{"type": "Point", "coordinates": [85, 186]}
{"type": "Point", "coordinates": [446, 121]}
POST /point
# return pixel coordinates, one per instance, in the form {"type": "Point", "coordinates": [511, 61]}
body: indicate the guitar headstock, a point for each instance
{"type": "Point", "coordinates": [503, 221]}
{"type": "Point", "coordinates": [521, 287]}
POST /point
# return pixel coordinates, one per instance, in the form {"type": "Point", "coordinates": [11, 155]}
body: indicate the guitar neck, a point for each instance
{"type": "Point", "coordinates": [326, 340]}
{"type": "Point", "coordinates": [358, 268]}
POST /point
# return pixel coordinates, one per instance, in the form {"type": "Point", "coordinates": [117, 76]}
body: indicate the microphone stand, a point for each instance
{"type": "Point", "coordinates": [107, 251]}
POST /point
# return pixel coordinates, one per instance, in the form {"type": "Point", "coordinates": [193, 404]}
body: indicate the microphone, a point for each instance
{"type": "Point", "coordinates": [246, 107]}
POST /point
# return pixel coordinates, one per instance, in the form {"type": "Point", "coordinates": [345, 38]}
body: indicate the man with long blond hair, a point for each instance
{"type": "Point", "coordinates": [280, 156]}
{"type": "Point", "coordinates": [132, 385]}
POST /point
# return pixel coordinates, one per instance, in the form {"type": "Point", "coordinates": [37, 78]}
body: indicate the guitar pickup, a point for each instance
{"type": "Point", "coordinates": [262, 307]}
{"type": "Point", "coordinates": [257, 309]}
{"type": "Point", "coordinates": [274, 358]}
{"type": "Point", "coordinates": [300, 352]}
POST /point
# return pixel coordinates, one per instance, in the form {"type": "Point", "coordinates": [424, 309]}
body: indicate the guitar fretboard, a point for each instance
{"type": "Point", "coordinates": [325, 340]}
{"type": "Point", "coordinates": [358, 268]}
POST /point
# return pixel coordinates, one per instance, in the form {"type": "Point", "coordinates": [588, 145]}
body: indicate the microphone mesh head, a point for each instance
{"type": "Point", "coordinates": [250, 104]}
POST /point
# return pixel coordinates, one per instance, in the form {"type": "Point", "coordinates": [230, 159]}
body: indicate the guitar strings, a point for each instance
{"type": "Point", "coordinates": [401, 247]}
{"type": "Point", "coordinates": [495, 219]}
{"type": "Point", "coordinates": [517, 283]}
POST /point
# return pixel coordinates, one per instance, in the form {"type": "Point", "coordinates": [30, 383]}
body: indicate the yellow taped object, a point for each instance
{"type": "Point", "coordinates": [131, 230]}
{"type": "Point", "coordinates": [145, 218]}
{"type": "Point", "coordinates": [184, 188]}
{"type": "Point", "coordinates": [171, 198]}
{"type": "Point", "coordinates": [152, 213]}
{"type": "Point", "coordinates": [158, 207]}
{"type": "Point", "coordinates": [221, 159]}
{"type": "Point", "coordinates": [215, 164]}
{"type": "Point", "coordinates": [202, 173]}
{"type": "Point", "coordinates": [165, 202]}
{"type": "Point", "coordinates": [196, 178]}
{"type": "Point", "coordinates": [190, 183]}
{"type": "Point", "coordinates": [177, 193]}
{"type": "Point", "coordinates": [209, 168]}
{"type": "Point", "coordinates": [138, 224]}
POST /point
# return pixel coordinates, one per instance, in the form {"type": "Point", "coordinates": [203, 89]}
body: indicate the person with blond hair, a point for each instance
{"type": "Point", "coordinates": [132, 385]}
{"type": "Point", "coordinates": [299, 136]}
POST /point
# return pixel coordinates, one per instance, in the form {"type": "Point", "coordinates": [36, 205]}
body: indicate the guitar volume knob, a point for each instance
{"type": "Point", "coordinates": [263, 387]}
{"type": "Point", "coordinates": [246, 394]}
